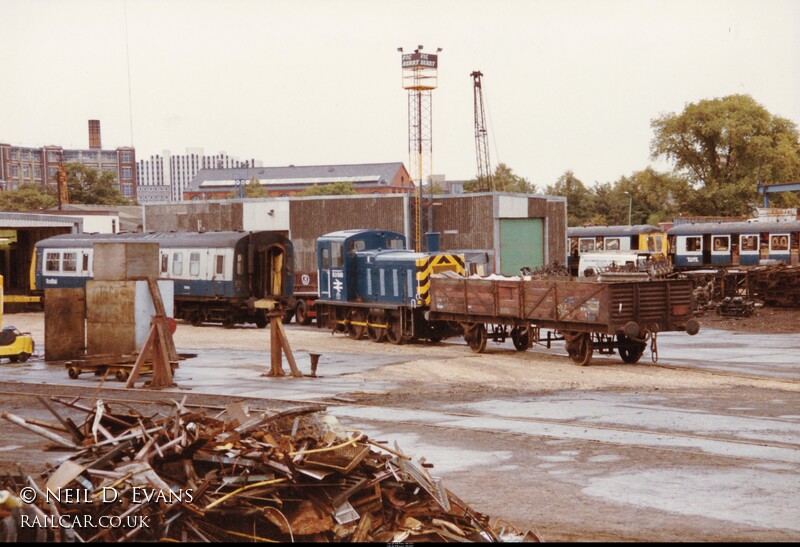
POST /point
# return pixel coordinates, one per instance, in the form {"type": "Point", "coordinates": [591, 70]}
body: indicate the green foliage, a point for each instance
{"type": "Point", "coordinates": [333, 189]}
{"type": "Point", "coordinates": [579, 198]}
{"type": "Point", "coordinates": [504, 180]}
{"type": "Point", "coordinates": [254, 189]}
{"type": "Point", "coordinates": [722, 146]}
{"type": "Point", "coordinates": [28, 197]}
{"type": "Point", "coordinates": [92, 186]}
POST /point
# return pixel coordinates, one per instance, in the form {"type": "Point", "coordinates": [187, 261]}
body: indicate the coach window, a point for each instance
{"type": "Point", "coordinates": [194, 264]}
{"type": "Point", "coordinates": [85, 262]}
{"type": "Point", "coordinates": [164, 263]}
{"type": "Point", "coordinates": [694, 244]}
{"type": "Point", "coordinates": [612, 244]}
{"type": "Point", "coordinates": [749, 243]}
{"type": "Point", "coordinates": [51, 262]}
{"type": "Point", "coordinates": [70, 262]}
{"type": "Point", "coordinates": [720, 243]}
{"type": "Point", "coordinates": [779, 243]}
{"type": "Point", "coordinates": [585, 245]}
{"type": "Point", "coordinates": [177, 263]}
{"type": "Point", "coordinates": [220, 265]}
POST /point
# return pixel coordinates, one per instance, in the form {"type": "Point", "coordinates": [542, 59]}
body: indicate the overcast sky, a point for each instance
{"type": "Point", "coordinates": [569, 85]}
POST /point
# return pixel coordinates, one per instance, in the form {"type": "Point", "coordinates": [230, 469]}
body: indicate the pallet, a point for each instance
{"type": "Point", "coordinates": [119, 367]}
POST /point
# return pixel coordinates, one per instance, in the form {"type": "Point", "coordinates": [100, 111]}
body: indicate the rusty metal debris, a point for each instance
{"type": "Point", "coordinates": [238, 475]}
{"type": "Point", "coordinates": [736, 307]}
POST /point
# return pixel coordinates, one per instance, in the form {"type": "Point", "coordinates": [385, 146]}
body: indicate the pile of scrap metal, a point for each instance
{"type": "Point", "coordinates": [736, 307]}
{"type": "Point", "coordinates": [239, 475]}
{"type": "Point", "coordinates": [777, 284]}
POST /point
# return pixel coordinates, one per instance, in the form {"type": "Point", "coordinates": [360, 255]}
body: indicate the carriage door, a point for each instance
{"type": "Point", "coordinates": [217, 267]}
{"type": "Point", "coordinates": [324, 274]}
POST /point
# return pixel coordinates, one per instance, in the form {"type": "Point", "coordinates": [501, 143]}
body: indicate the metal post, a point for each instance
{"type": "Point", "coordinates": [630, 207]}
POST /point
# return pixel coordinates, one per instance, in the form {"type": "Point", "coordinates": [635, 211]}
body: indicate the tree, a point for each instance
{"type": "Point", "coordinates": [333, 189]}
{"type": "Point", "coordinates": [254, 189]}
{"type": "Point", "coordinates": [28, 197]}
{"type": "Point", "coordinates": [579, 198]}
{"type": "Point", "coordinates": [723, 146]}
{"type": "Point", "coordinates": [504, 181]}
{"type": "Point", "coordinates": [93, 186]}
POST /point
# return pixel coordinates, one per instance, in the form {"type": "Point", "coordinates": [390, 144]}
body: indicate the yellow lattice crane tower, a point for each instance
{"type": "Point", "coordinates": [420, 75]}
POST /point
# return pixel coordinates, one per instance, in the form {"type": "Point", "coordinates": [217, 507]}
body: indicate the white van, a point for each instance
{"type": "Point", "coordinates": [595, 263]}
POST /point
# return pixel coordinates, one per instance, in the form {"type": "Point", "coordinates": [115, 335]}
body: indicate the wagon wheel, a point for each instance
{"type": "Point", "coordinates": [580, 348]}
{"type": "Point", "coordinates": [261, 320]}
{"type": "Point", "coordinates": [395, 331]}
{"type": "Point", "coordinates": [229, 321]}
{"type": "Point", "coordinates": [521, 337]}
{"type": "Point", "coordinates": [73, 372]}
{"type": "Point", "coordinates": [356, 316]}
{"type": "Point", "coordinates": [376, 334]}
{"type": "Point", "coordinates": [476, 338]}
{"type": "Point", "coordinates": [197, 319]}
{"type": "Point", "coordinates": [122, 375]}
{"type": "Point", "coordinates": [301, 313]}
{"type": "Point", "coordinates": [630, 351]}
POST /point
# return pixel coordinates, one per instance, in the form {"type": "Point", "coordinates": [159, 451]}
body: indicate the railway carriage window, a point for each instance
{"type": "Point", "coordinates": [164, 263]}
{"type": "Point", "coordinates": [70, 262]}
{"type": "Point", "coordinates": [177, 263]}
{"type": "Point", "coordinates": [612, 244]}
{"type": "Point", "coordinates": [51, 262]}
{"type": "Point", "coordinates": [694, 244]}
{"type": "Point", "coordinates": [749, 243]}
{"type": "Point", "coordinates": [85, 262]}
{"type": "Point", "coordinates": [337, 260]}
{"type": "Point", "coordinates": [585, 245]}
{"type": "Point", "coordinates": [220, 266]}
{"type": "Point", "coordinates": [326, 258]}
{"type": "Point", "coordinates": [780, 243]}
{"type": "Point", "coordinates": [194, 264]}
{"type": "Point", "coordinates": [720, 243]}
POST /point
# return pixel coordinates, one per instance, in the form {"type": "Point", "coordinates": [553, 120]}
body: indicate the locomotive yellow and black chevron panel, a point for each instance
{"type": "Point", "coordinates": [432, 264]}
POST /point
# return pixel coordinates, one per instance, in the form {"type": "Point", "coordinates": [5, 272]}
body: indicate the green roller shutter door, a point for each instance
{"type": "Point", "coordinates": [521, 244]}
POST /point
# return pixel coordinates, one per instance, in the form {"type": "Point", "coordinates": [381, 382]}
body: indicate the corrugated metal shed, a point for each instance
{"type": "Point", "coordinates": [15, 221]}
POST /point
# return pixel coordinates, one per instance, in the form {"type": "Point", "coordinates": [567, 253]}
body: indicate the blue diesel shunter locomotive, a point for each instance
{"type": "Point", "coordinates": [218, 276]}
{"type": "Point", "coordinates": [370, 284]}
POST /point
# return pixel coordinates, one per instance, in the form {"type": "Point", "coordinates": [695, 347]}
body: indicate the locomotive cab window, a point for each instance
{"type": "Point", "coordinates": [326, 258]}
{"type": "Point", "coordinates": [177, 263]}
{"type": "Point", "coordinates": [51, 262]}
{"type": "Point", "coordinates": [239, 264]}
{"type": "Point", "coordinates": [337, 260]}
{"type": "Point", "coordinates": [396, 244]}
{"type": "Point", "coordinates": [194, 264]}
{"type": "Point", "coordinates": [70, 262]}
{"type": "Point", "coordinates": [355, 245]}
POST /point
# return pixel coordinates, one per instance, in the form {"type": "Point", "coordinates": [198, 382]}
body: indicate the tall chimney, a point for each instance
{"type": "Point", "coordinates": [94, 135]}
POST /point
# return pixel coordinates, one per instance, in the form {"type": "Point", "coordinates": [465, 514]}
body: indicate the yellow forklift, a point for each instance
{"type": "Point", "coordinates": [14, 345]}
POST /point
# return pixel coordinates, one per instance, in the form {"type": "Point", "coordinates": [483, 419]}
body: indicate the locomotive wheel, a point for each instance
{"type": "Point", "coordinates": [301, 313]}
{"type": "Point", "coordinates": [521, 338]}
{"type": "Point", "coordinates": [630, 351]}
{"type": "Point", "coordinates": [376, 334]}
{"type": "Point", "coordinates": [229, 321]}
{"type": "Point", "coordinates": [356, 331]}
{"type": "Point", "coordinates": [580, 348]}
{"type": "Point", "coordinates": [197, 319]}
{"type": "Point", "coordinates": [476, 338]}
{"type": "Point", "coordinates": [395, 331]}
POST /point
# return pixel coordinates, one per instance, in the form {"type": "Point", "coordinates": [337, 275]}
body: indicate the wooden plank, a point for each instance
{"type": "Point", "coordinates": [64, 324]}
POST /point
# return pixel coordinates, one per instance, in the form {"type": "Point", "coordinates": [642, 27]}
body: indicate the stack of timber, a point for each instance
{"type": "Point", "coordinates": [241, 475]}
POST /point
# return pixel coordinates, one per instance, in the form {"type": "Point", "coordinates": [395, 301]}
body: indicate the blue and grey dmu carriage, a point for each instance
{"type": "Point", "coordinates": [218, 276]}
{"type": "Point", "coordinates": [720, 244]}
